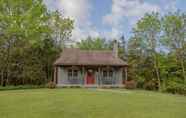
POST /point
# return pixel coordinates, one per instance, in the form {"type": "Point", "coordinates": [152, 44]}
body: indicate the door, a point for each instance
{"type": "Point", "coordinates": [90, 79]}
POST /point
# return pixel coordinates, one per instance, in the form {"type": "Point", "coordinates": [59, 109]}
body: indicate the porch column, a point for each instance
{"type": "Point", "coordinates": [55, 74]}
{"type": "Point", "coordinates": [99, 76]}
{"type": "Point", "coordinates": [120, 75]}
{"type": "Point", "coordinates": [96, 77]}
{"type": "Point", "coordinates": [84, 74]}
{"type": "Point", "coordinates": [126, 74]}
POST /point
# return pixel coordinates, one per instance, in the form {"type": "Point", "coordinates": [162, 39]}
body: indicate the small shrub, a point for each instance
{"type": "Point", "coordinates": [51, 85]}
{"type": "Point", "coordinates": [176, 88]}
{"type": "Point", "coordinates": [150, 85]}
{"type": "Point", "coordinates": [140, 82]}
{"type": "Point", "coordinates": [130, 84]}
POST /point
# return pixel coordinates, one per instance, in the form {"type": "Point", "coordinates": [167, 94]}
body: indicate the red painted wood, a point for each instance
{"type": "Point", "coordinates": [90, 78]}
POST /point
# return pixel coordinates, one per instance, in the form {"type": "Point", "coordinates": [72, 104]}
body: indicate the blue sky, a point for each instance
{"type": "Point", "coordinates": [110, 18]}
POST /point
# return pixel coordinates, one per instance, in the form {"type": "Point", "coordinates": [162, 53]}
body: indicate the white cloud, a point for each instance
{"type": "Point", "coordinates": [79, 33]}
{"type": "Point", "coordinates": [171, 6]}
{"type": "Point", "coordinates": [115, 33]}
{"type": "Point", "coordinates": [127, 9]}
{"type": "Point", "coordinates": [80, 11]}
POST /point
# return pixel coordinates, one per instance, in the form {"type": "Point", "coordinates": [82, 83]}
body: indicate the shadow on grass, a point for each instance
{"type": "Point", "coordinates": [21, 87]}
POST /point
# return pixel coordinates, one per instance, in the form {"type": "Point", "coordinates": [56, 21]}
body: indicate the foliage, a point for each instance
{"type": "Point", "coordinates": [93, 44]}
{"type": "Point", "coordinates": [150, 85]}
{"type": "Point", "coordinates": [101, 44]}
{"type": "Point", "coordinates": [51, 85]}
{"type": "Point", "coordinates": [175, 86]}
{"type": "Point", "coordinates": [157, 48]}
{"type": "Point", "coordinates": [148, 32]}
{"type": "Point", "coordinates": [28, 41]}
{"type": "Point", "coordinates": [131, 84]}
{"type": "Point", "coordinates": [174, 28]}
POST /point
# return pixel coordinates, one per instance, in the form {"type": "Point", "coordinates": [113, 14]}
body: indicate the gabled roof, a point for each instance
{"type": "Point", "coordinates": [72, 56]}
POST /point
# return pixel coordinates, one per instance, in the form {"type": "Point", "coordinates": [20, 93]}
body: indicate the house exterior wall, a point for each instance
{"type": "Point", "coordinates": [63, 79]}
{"type": "Point", "coordinates": [61, 76]}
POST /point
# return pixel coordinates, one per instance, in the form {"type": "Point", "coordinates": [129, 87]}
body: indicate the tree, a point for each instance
{"type": "Point", "coordinates": [123, 48]}
{"type": "Point", "coordinates": [174, 28]}
{"type": "Point", "coordinates": [140, 62]}
{"type": "Point", "coordinates": [148, 29]}
{"type": "Point", "coordinates": [93, 44]}
{"type": "Point", "coordinates": [28, 40]}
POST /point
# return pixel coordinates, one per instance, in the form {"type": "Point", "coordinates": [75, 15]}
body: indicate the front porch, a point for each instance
{"type": "Point", "coordinates": [90, 76]}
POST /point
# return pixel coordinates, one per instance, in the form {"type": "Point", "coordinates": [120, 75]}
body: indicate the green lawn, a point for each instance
{"type": "Point", "coordinates": [90, 103]}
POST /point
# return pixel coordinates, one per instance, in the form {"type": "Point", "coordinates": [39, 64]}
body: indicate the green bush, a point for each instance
{"type": "Point", "coordinates": [147, 84]}
{"type": "Point", "coordinates": [51, 85]}
{"type": "Point", "coordinates": [150, 85]}
{"type": "Point", "coordinates": [130, 84]}
{"type": "Point", "coordinates": [140, 82]}
{"type": "Point", "coordinates": [176, 88]}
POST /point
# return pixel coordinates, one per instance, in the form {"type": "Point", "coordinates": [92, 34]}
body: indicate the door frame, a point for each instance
{"type": "Point", "coordinates": [93, 75]}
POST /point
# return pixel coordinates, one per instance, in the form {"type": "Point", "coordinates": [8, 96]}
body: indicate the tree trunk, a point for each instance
{"type": "Point", "coordinates": [156, 66]}
{"type": "Point", "coordinates": [8, 75]}
{"type": "Point", "coordinates": [2, 78]}
{"type": "Point", "coordinates": [158, 78]}
{"type": "Point", "coordinates": [23, 81]}
{"type": "Point", "coordinates": [181, 59]}
{"type": "Point", "coordinates": [183, 70]}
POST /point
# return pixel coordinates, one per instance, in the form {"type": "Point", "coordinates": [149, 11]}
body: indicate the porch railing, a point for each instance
{"type": "Point", "coordinates": [75, 80]}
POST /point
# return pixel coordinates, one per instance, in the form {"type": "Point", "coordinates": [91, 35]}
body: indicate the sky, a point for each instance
{"type": "Point", "coordinates": [110, 18]}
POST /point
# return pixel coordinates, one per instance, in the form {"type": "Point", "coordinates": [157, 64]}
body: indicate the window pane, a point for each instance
{"type": "Point", "coordinates": [70, 73]}
{"type": "Point", "coordinates": [110, 73]}
{"type": "Point", "coordinates": [75, 74]}
{"type": "Point", "coordinates": [104, 73]}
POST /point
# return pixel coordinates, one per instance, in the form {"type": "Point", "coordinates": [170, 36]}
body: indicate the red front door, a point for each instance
{"type": "Point", "coordinates": [90, 78]}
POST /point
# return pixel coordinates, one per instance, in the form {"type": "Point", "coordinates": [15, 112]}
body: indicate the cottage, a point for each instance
{"type": "Point", "coordinates": [77, 67]}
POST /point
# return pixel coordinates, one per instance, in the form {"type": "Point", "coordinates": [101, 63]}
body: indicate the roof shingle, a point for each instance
{"type": "Point", "coordinates": [73, 56]}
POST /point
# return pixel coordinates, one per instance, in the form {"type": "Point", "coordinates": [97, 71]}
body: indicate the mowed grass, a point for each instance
{"type": "Point", "coordinates": [90, 103]}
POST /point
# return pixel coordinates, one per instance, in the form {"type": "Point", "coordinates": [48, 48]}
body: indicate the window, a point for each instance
{"type": "Point", "coordinates": [69, 73]}
{"type": "Point", "coordinates": [75, 73]}
{"type": "Point", "coordinates": [110, 73]}
{"type": "Point", "coordinates": [107, 77]}
{"type": "Point", "coordinates": [73, 76]}
{"type": "Point", "coordinates": [104, 73]}
{"type": "Point", "coordinates": [107, 73]}
{"type": "Point", "coordinates": [72, 73]}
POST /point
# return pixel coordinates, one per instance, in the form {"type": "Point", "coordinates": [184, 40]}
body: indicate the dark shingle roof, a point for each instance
{"type": "Point", "coordinates": [73, 56]}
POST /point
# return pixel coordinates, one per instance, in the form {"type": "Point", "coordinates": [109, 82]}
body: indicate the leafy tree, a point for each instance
{"type": "Point", "coordinates": [28, 40]}
{"type": "Point", "coordinates": [93, 44]}
{"type": "Point", "coordinates": [148, 31]}
{"type": "Point", "coordinates": [174, 28]}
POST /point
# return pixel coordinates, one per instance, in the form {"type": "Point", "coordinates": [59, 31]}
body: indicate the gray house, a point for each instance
{"type": "Point", "coordinates": [77, 67]}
